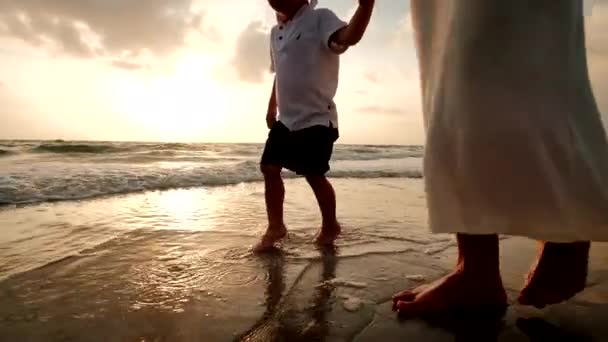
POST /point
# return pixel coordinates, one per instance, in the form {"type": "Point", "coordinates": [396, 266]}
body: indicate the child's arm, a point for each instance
{"type": "Point", "coordinates": [271, 113]}
{"type": "Point", "coordinates": [352, 33]}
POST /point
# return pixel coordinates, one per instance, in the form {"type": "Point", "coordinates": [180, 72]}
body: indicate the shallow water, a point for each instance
{"type": "Point", "coordinates": [171, 252]}
{"type": "Point", "coordinates": [176, 266]}
{"type": "Point", "coordinates": [392, 219]}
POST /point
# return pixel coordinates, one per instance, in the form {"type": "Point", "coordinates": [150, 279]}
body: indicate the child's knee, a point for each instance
{"type": "Point", "coordinates": [270, 171]}
{"type": "Point", "coordinates": [315, 180]}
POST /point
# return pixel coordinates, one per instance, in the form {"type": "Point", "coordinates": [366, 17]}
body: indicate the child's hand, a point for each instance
{"type": "Point", "coordinates": [271, 119]}
{"type": "Point", "coordinates": [352, 33]}
{"type": "Point", "coordinates": [366, 3]}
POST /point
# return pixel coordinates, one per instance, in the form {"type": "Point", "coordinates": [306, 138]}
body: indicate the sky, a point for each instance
{"type": "Point", "coordinates": [198, 71]}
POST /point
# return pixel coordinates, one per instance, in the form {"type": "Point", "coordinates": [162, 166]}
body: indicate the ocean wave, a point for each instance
{"type": "Point", "coordinates": [167, 149]}
{"type": "Point", "coordinates": [415, 174]}
{"type": "Point", "coordinates": [358, 155]}
{"type": "Point", "coordinates": [57, 170]}
{"type": "Point", "coordinates": [4, 153]}
{"type": "Point", "coordinates": [100, 150]}
{"type": "Point", "coordinates": [77, 148]}
{"type": "Point", "coordinates": [76, 183]}
{"type": "Point", "coordinates": [366, 152]}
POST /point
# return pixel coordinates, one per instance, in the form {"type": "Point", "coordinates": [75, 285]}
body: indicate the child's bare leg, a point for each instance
{"type": "Point", "coordinates": [326, 197]}
{"type": "Point", "coordinates": [274, 195]}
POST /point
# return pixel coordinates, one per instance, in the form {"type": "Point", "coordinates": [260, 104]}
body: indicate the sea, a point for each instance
{"type": "Point", "coordinates": [63, 199]}
{"type": "Point", "coordinates": [130, 241]}
{"type": "Point", "coordinates": [47, 171]}
{"type": "Point", "coordinates": [139, 241]}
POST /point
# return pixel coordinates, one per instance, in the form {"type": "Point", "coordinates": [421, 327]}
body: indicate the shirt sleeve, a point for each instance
{"type": "Point", "coordinates": [329, 23]}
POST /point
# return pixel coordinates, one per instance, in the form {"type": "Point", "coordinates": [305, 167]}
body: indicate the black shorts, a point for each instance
{"type": "Point", "coordinates": [306, 152]}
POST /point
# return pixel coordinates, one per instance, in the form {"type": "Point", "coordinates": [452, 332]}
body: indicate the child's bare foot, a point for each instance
{"type": "Point", "coordinates": [272, 236]}
{"type": "Point", "coordinates": [457, 291]}
{"type": "Point", "coordinates": [328, 234]}
{"type": "Point", "coordinates": [559, 274]}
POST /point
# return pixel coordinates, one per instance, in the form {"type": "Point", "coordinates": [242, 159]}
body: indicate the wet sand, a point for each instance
{"type": "Point", "coordinates": [180, 284]}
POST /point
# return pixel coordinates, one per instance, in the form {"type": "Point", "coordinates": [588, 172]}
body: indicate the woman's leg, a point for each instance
{"type": "Point", "coordinates": [559, 274]}
{"type": "Point", "coordinates": [475, 284]}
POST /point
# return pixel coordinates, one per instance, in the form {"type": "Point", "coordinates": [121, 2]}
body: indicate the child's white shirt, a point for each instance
{"type": "Point", "coordinates": [307, 68]}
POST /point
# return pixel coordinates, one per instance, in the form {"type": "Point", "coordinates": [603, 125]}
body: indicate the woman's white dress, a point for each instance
{"type": "Point", "coordinates": [515, 143]}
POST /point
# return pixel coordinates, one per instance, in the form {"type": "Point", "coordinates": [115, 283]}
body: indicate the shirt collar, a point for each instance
{"type": "Point", "coordinates": [303, 10]}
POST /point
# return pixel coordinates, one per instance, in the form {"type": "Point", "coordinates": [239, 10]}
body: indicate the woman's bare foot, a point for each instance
{"type": "Point", "coordinates": [328, 234]}
{"type": "Point", "coordinates": [456, 292]}
{"type": "Point", "coordinates": [272, 236]}
{"type": "Point", "coordinates": [558, 275]}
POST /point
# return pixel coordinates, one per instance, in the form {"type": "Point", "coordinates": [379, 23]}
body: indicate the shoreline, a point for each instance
{"type": "Point", "coordinates": [108, 216]}
{"type": "Point", "coordinates": [289, 176]}
{"type": "Point", "coordinates": [174, 265]}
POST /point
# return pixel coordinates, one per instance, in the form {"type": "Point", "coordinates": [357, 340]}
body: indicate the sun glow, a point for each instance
{"type": "Point", "coordinates": [180, 106]}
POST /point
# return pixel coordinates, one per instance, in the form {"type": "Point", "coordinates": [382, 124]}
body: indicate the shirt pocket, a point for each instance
{"type": "Point", "coordinates": [303, 47]}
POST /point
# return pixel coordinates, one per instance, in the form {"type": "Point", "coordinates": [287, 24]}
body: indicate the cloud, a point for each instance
{"type": "Point", "coordinates": [373, 76]}
{"type": "Point", "coordinates": [382, 110]}
{"type": "Point", "coordinates": [252, 56]}
{"type": "Point", "coordinates": [100, 27]}
{"type": "Point", "coordinates": [13, 116]}
{"type": "Point", "coordinates": [9, 101]}
{"type": "Point", "coordinates": [121, 64]}
{"type": "Point", "coordinates": [404, 32]}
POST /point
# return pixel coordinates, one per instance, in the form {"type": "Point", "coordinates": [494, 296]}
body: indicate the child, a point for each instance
{"type": "Point", "coordinates": [304, 48]}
